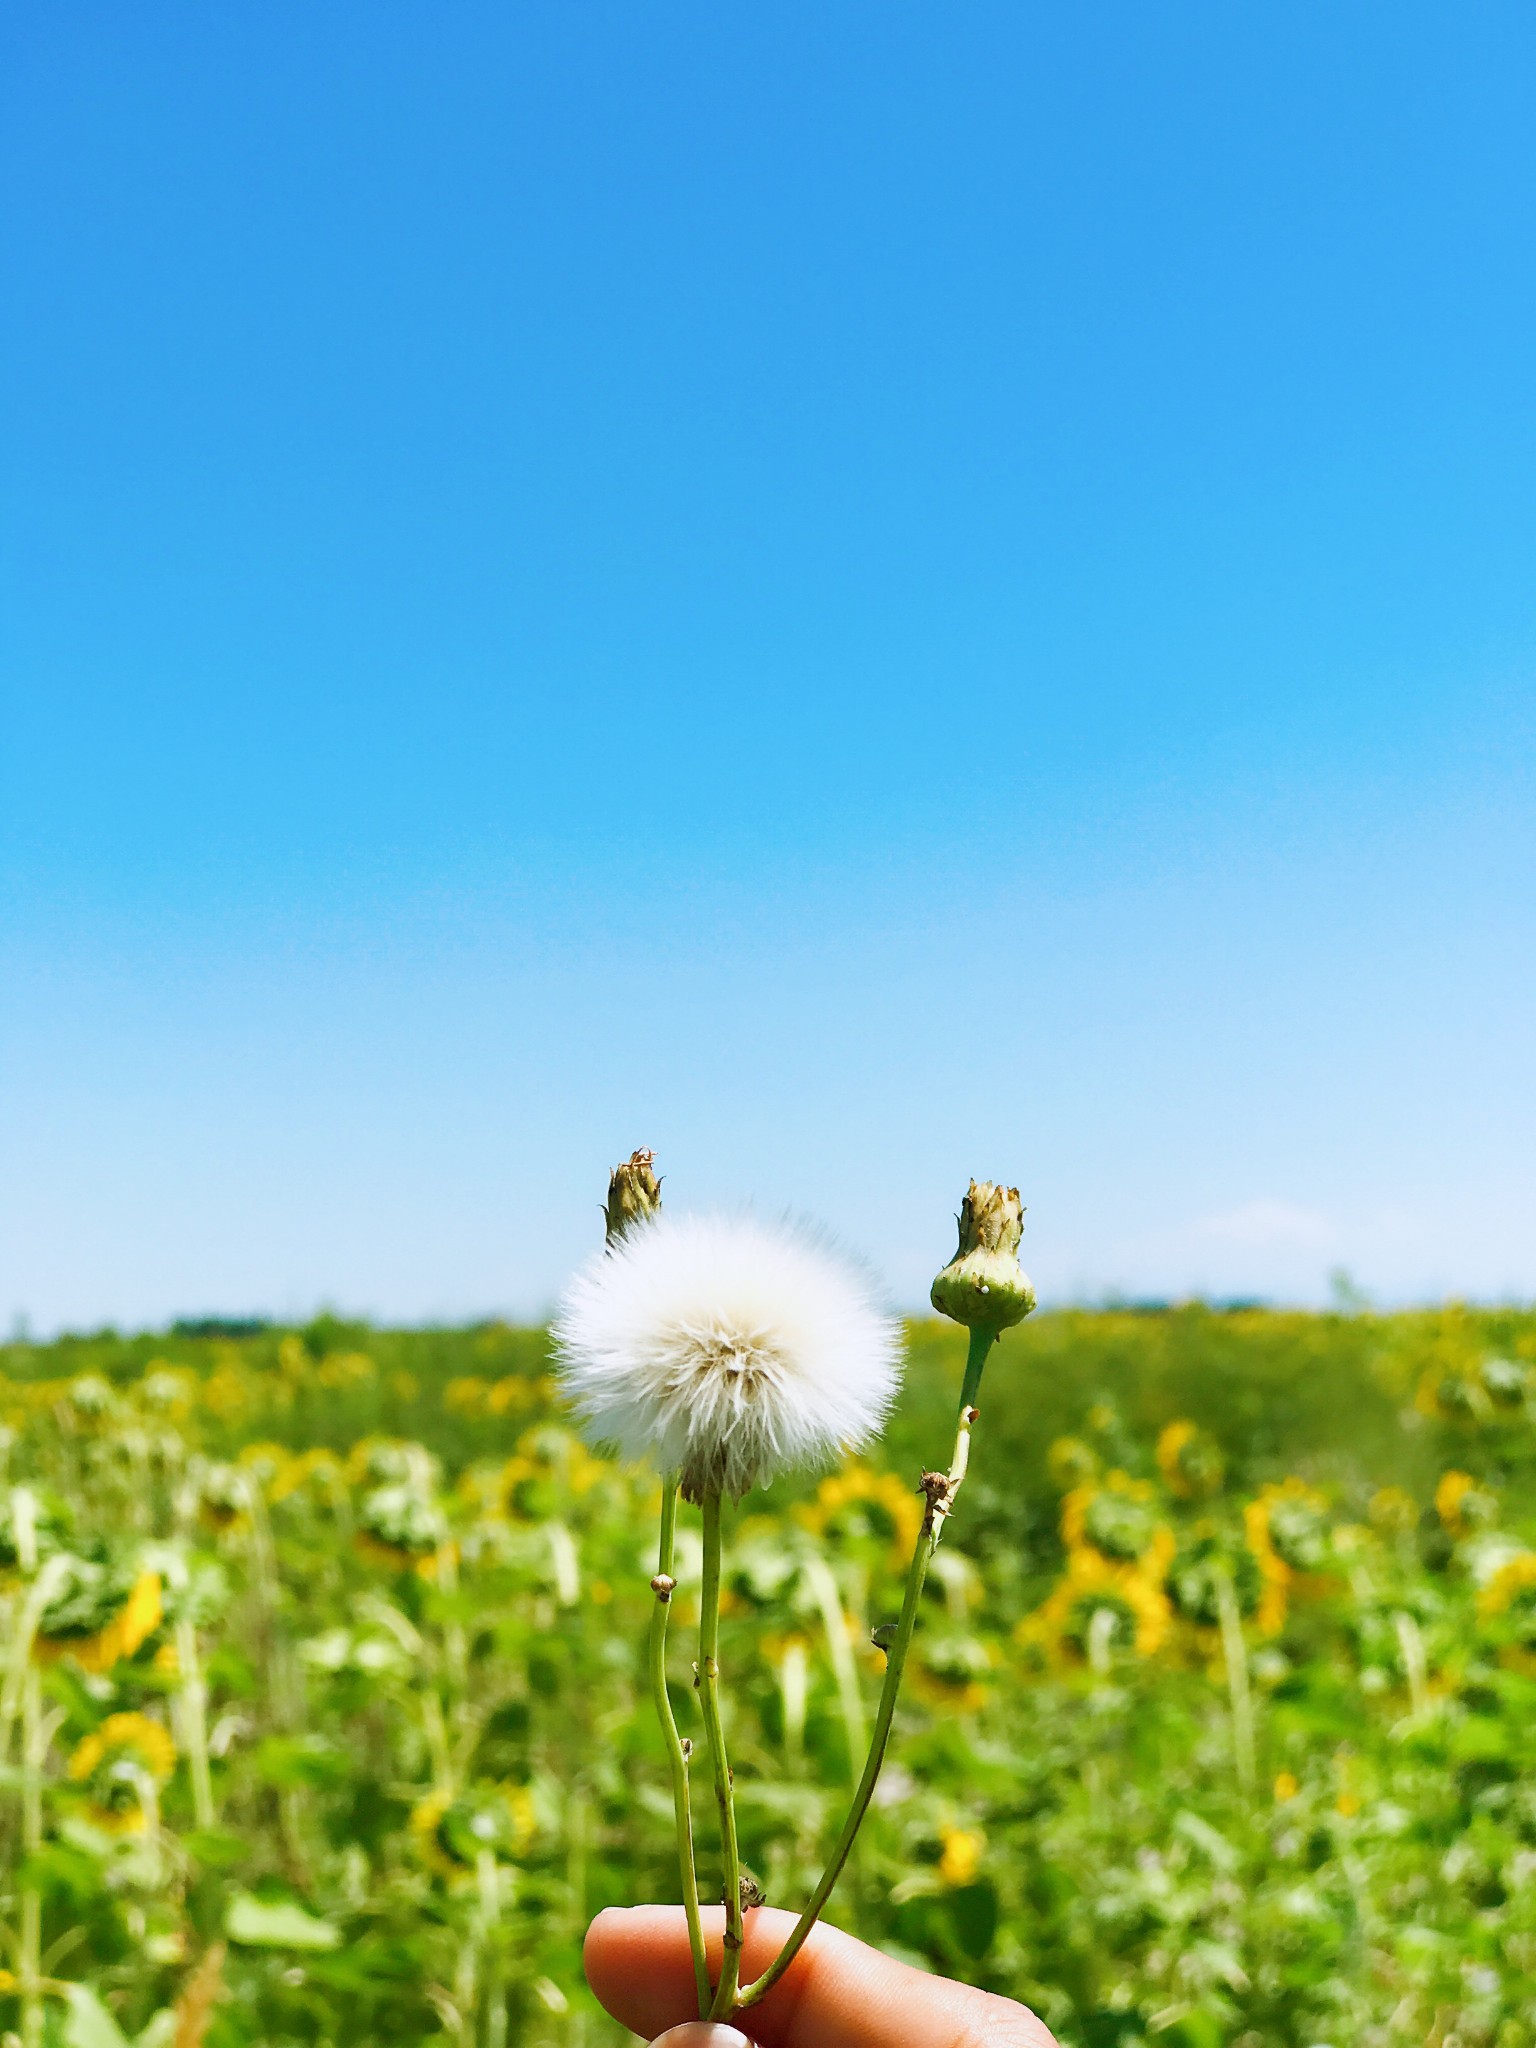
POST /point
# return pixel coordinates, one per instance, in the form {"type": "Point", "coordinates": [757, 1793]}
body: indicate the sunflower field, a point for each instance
{"type": "Point", "coordinates": [323, 1711]}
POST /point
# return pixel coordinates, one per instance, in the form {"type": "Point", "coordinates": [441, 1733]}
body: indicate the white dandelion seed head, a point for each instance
{"type": "Point", "coordinates": [726, 1350]}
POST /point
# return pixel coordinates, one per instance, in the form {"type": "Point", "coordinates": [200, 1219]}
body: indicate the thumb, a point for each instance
{"type": "Point", "coordinates": [836, 1994]}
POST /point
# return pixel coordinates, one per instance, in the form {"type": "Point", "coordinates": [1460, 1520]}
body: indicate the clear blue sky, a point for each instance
{"type": "Point", "coordinates": [857, 593]}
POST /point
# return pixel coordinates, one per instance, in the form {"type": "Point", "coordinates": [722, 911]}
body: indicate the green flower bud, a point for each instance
{"type": "Point", "coordinates": [983, 1285]}
{"type": "Point", "coordinates": [634, 1195]}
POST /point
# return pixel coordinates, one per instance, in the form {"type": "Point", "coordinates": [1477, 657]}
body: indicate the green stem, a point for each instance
{"type": "Point", "coordinates": [195, 1723]}
{"type": "Point", "coordinates": [834, 1622]}
{"type": "Point", "coordinates": [30, 1972]}
{"type": "Point", "coordinates": [29, 1961]}
{"type": "Point", "coordinates": [493, 1991]}
{"type": "Point", "coordinates": [1235, 1651]}
{"type": "Point", "coordinates": [1411, 1644]}
{"type": "Point", "coordinates": [193, 1716]}
{"type": "Point", "coordinates": [941, 1492]}
{"type": "Point", "coordinates": [709, 1701]}
{"type": "Point", "coordinates": [663, 1586]}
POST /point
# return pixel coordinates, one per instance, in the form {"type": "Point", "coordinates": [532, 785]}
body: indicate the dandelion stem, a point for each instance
{"type": "Point", "coordinates": [709, 1701]}
{"type": "Point", "coordinates": [941, 1490]}
{"type": "Point", "coordinates": [664, 1585]}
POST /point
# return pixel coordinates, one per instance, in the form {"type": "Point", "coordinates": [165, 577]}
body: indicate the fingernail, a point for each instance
{"type": "Point", "coordinates": [701, 2034]}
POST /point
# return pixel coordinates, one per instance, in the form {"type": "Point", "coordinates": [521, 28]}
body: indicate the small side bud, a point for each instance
{"type": "Point", "coordinates": [983, 1286]}
{"type": "Point", "coordinates": [752, 1893]}
{"type": "Point", "coordinates": [663, 1586]}
{"type": "Point", "coordinates": [884, 1636]}
{"type": "Point", "coordinates": [634, 1195]}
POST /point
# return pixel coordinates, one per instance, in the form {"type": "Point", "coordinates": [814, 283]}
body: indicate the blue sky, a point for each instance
{"type": "Point", "coordinates": [857, 594]}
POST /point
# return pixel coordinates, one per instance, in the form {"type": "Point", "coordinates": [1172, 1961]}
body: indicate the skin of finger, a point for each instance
{"type": "Point", "coordinates": [837, 1994]}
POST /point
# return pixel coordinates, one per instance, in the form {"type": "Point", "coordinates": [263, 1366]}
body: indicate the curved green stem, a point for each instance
{"type": "Point", "coordinates": [677, 1755]}
{"type": "Point", "coordinates": [709, 1701]}
{"type": "Point", "coordinates": [941, 1490]}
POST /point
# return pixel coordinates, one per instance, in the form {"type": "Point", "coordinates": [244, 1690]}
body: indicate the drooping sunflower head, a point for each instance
{"type": "Point", "coordinates": [101, 1612]}
{"type": "Point", "coordinates": [1071, 1462]}
{"type": "Point", "coordinates": [168, 1390]}
{"type": "Point", "coordinates": [265, 1464]}
{"type": "Point", "coordinates": [952, 1670]}
{"type": "Point", "coordinates": [316, 1474]}
{"type": "Point", "coordinates": [1506, 1381]}
{"type": "Point", "coordinates": [866, 1510]}
{"type": "Point", "coordinates": [384, 1461]}
{"type": "Point", "coordinates": [118, 1767]}
{"type": "Point", "coordinates": [1292, 1519]}
{"type": "Point", "coordinates": [1101, 1610]}
{"type": "Point", "coordinates": [89, 1399]}
{"type": "Point", "coordinates": [1512, 1588]}
{"type": "Point", "coordinates": [1211, 1557]}
{"type": "Point", "coordinates": [1118, 1518]}
{"type": "Point", "coordinates": [400, 1525]}
{"type": "Point", "coordinates": [451, 1835]}
{"type": "Point", "coordinates": [1190, 1461]}
{"type": "Point", "coordinates": [1463, 1505]}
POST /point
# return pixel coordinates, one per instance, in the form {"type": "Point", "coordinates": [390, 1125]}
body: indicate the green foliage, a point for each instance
{"type": "Point", "coordinates": [1219, 1725]}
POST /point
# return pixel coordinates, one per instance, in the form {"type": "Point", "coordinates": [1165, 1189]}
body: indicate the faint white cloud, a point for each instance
{"type": "Point", "coordinates": [1270, 1226]}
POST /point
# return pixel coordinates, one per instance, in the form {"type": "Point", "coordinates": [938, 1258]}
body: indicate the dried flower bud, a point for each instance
{"type": "Point", "coordinates": [983, 1286]}
{"type": "Point", "coordinates": [634, 1195]}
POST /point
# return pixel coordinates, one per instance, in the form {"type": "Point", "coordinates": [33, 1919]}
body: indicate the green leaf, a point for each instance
{"type": "Point", "coordinates": [87, 2023]}
{"type": "Point", "coordinates": [161, 2031]}
{"type": "Point", "coordinates": [276, 1923]}
{"type": "Point", "coordinates": [973, 1915]}
{"type": "Point", "coordinates": [214, 1848]}
{"type": "Point", "coordinates": [300, 1760]}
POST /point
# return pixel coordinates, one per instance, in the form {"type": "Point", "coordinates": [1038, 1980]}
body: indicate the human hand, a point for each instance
{"type": "Point", "coordinates": [836, 1994]}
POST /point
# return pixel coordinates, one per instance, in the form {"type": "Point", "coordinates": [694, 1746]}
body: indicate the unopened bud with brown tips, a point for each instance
{"type": "Point", "coordinates": [634, 1195]}
{"type": "Point", "coordinates": [983, 1286]}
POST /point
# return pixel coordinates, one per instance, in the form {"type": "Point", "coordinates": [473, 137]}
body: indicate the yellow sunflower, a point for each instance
{"type": "Point", "coordinates": [1463, 1505]}
{"type": "Point", "coordinates": [112, 1764]}
{"type": "Point", "coordinates": [1188, 1460]}
{"type": "Point", "coordinates": [1070, 1462]}
{"type": "Point", "coordinates": [1117, 1520]}
{"type": "Point", "coordinates": [1290, 1536]}
{"type": "Point", "coordinates": [1393, 1510]}
{"type": "Point", "coordinates": [1512, 1579]}
{"type": "Point", "coordinates": [319, 1468]}
{"type": "Point", "coordinates": [1138, 1610]}
{"type": "Point", "coordinates": [451, 1834]}
{"type": "Point", "coordinates": [860, 1502]}
{"type": "Point", "coordinates": [93, 1622]}
{"type": "Point", "coordinates": [267, 1464]}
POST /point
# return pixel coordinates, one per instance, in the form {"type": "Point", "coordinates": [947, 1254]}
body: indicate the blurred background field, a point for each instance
{"type": "Point", "coordinates": [1220, 1728]}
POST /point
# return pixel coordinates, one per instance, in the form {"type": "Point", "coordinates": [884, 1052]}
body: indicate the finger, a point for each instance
{"type": "Point", "coordinates": [836, 1994]}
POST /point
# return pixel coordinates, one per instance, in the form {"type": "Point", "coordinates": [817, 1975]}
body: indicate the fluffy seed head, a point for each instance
{"type": "Point", "coordinates": [726, 1350]}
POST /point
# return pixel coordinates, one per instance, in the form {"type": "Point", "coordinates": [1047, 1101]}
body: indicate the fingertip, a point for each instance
{"type": "Point", "coordinates": [638, 1965]}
